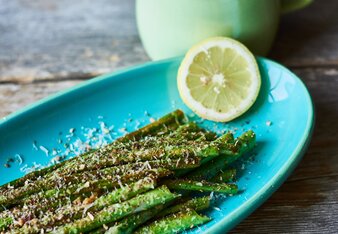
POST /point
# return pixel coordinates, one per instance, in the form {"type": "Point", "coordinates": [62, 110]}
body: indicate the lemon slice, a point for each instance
{"type": "Point", "coordinates": [219, 79]}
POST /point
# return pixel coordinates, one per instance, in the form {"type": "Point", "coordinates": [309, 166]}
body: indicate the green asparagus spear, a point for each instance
{"type": "Point", "coordinates": [197, 204]}
{"type": "Point", "coordinates": [226, 176]}
{"type": "Point", "coordinates": [117, 211]}
{"type": "Point", "coordinates": [201, 186]}
{"type": "Point", "coordinates": [174, 223]}
{"type": "Point", "coordinates": [73, 212]}
{"type": "Point", "coordinates": [92, 164]}
{"type": "Point", "coordinates": [175, 118]}
{"type": "Point", "coordinates": [102, 162]}
{"type": "Point", "coordinates": [207, 170]}
{"type": "Point", "coordinates": [44, 184]}
{"type": "Point", "coordinates": [13, 196]}
{"type": "Point", "coordinates": [145, 155]}
{"type": "Point", "coordinates": [102, 185]}
{"type": "Point", "coordinates": [191, 131]}
{"type": "Point", "coordinates": [171, 164]}
{"type": "Point", "coordinates": [33, 176]}
{"type": "Point", "coordinates": [221, 145]}
{"type": "Point", "coordinates": [131, 222]}
{"type": "Point", "coordinates": [231, 150]}
{"type": "Point", "coordinates": [50, 200]}
{"type": "Point", "coordinates": [128, 224]}
{"type": "Point", "coordinates": [5, 222]}
{"type": "Point", "coordinates": [242, 145]}
{"type": "Point", "coordinates": [98, 172]}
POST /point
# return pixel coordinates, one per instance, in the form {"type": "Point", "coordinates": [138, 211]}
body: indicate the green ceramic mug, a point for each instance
{"type": "Point", "coordinates": [169, 28]}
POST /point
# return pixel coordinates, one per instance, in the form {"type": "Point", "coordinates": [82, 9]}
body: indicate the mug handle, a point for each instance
{"type": "Point", "coordinates": [293, 5]}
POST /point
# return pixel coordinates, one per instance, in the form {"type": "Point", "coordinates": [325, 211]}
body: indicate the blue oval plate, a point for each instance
{"type": "Point", "coordinates": [107, 106]}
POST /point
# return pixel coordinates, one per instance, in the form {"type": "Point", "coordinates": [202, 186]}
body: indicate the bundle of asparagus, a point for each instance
{"type": "Point", "coordinates": [141, 183]}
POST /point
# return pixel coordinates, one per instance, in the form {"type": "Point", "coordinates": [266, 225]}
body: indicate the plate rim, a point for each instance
{"type": "Point", "coordinates": [96, 79]}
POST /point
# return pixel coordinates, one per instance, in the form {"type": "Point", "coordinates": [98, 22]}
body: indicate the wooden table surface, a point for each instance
{"type": "Point", "coordinates": [49, 45]}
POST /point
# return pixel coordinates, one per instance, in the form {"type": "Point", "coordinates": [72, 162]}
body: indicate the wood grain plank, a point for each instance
{"type": "Point", "coordinates": [308, 38]}
{"type": "Point", "coordinates": [48, 39]}
{"type": "Point", "coordinates": [15, 96]}
{"type": "Point", "coordinates": [298, 207]}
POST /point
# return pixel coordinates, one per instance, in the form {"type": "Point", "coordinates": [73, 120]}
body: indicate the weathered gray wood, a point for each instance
{"type": "Point", "coordinates": [15, 96]}
{"type": "Point", "coordinates": [45, 39]}
{"type": "Point", "coordinates": [48, 39]}
{"type": "Point", "coordinates": [298, 207]}
{"type": "Point", "coordinates": [309, 37]}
